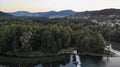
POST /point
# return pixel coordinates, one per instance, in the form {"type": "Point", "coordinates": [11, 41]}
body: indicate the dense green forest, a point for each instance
{"type": "Point", "coordinates": [27, 34]}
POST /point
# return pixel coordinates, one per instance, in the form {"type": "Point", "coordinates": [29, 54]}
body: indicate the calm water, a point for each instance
{"type": "Point", "coordinates": [62, 61]}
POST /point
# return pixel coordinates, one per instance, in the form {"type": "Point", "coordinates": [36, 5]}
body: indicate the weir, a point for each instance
{"type": "Point", "coordinates": [112, 50]}
{"type": "Point", "coordinates": [78, 61]}
{"type": "Point", "coordinates": [75, 60]}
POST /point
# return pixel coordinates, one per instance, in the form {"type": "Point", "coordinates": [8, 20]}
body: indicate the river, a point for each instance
{"type": "Point", "coordinates": [63, 61]}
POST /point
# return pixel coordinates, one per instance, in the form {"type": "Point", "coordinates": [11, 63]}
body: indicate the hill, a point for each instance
{"type": "Point", "coordinates": [3, 14]}
{"type": "Point", "coordinates": [104, 12]}
{"type": "Point", "coordinates": [50, 14]}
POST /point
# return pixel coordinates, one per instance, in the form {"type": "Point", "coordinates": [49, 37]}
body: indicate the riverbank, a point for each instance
{"type": "Point", "coordinates": [59, 53]}
{"type": "Point", "coordinates": [104, 54]}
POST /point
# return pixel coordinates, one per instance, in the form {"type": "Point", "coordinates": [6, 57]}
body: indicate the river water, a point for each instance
{"type": "Point", "coordinates": [63, 61]}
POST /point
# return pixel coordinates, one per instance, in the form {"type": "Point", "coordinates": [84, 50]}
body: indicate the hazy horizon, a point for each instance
{"type": "Point", "coordinates": [56, 11]}
{"type": "Point", "coordinates": [57, 5]}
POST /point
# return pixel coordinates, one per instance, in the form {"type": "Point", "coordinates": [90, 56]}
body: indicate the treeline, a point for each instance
{"type": "Point", "coordinates": [50, 35]}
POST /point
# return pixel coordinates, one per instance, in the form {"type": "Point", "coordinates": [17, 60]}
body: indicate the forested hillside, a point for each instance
{"type": "Point", "coordinates": [27, 34]}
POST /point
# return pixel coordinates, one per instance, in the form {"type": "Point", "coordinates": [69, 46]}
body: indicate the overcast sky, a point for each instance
{"type": "Point", "coordinates": [56, 5]}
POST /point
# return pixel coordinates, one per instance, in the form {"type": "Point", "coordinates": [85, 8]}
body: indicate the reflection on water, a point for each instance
{"type": "Point", "coordinates": [90, 61]}
{"type": "Point", "coordinates": [61, 61]}
{"type": "Point", "coordinates": [86, 61]}
{"type": "Point", "coordinates": [64, 61]}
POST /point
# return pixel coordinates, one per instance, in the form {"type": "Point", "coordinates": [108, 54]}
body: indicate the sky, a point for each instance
{"type": "Point", "coordinates": [57, 5]}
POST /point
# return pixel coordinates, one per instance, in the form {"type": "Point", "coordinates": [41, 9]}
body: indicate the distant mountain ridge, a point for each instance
{"type": "Point", "coordinates": [53, 14]}
{"type": "Point", "coordinates": [104, 12]}
{"type": "Point", "coordinates": [3, 14]}
{"type": "Point", "coordinates": [65, 13]}
{"type": "Point", "coordinates": [21, 13]}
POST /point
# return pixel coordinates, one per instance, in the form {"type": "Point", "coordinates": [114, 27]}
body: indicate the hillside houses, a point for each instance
{"type": "Point", "coordinates": [110, 23]}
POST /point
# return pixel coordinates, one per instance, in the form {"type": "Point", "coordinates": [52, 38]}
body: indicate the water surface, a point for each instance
{"type": "Point", "coordinates": [62, 61]}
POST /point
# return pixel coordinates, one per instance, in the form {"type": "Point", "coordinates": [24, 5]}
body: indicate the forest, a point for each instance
{"type": "Point", "coordinates": [27, 34]}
